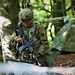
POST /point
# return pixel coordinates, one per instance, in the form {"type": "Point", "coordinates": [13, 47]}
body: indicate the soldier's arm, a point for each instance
{"type": "Point", "coordinates": [12, 42]}
{"type": "Point", "coordinates": [44, 42]}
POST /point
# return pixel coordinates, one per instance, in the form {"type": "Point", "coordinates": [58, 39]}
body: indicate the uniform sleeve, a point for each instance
{"type": "Point", "coordinates": [12, 42]}
{"type": "Point", "coordinates": [13, 36]}
{"type": "Point", "coordinates": [44, 42]}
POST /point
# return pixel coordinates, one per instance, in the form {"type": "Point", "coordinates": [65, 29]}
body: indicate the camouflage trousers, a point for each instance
{"type": "Point", "coordinates": [44, 60]}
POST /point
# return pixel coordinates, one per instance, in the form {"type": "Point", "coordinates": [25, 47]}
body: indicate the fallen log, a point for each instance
{"type": "Point", "coordinates": [19, 68]}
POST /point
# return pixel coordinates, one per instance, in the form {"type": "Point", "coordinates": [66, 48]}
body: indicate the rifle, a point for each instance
{"type": "Point", "coordinates": [28, 43]}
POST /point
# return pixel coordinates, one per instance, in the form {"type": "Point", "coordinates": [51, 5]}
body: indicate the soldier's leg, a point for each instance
{"type": "Point", "coordinates": [49, 60]}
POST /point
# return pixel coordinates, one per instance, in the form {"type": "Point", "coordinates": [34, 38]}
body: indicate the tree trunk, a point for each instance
{"type": "Point", "coordinates": [31, 69]}
{"type": "Point", "coordinates": [8, 20]}
{"type": "Point", "coordinates": [73, 8]}
{"type": "Point", "coordinates": [10, 9]}
{"type": "Point", "coordinates": [58, 10]}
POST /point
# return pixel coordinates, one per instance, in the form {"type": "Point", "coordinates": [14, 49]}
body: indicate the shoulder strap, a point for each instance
{"type": "Point", "coordinates": [20, 24]}
{"type": "Point", "coordinates": [32, 30]}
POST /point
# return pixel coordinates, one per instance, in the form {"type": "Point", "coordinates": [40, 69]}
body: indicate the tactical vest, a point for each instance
{"type": "Point", "coordinates": [33, 32]}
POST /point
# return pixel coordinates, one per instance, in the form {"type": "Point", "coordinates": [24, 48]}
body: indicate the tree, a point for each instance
{"type": "Point", "coordinates": [8, 20]}
{"type": "Point", "coordinates": [58, 9]}
{"type": "Point", "coordinates": [10, 9]}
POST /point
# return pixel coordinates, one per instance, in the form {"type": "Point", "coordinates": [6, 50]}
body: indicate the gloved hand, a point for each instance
{"type": "Point", "coordinates": [19, 40]}
{"type": "Point", "coordinates": [37, 53]}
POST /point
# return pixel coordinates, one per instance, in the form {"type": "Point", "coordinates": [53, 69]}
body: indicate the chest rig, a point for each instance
{"type": "Point", "coordinates": [28, 42]}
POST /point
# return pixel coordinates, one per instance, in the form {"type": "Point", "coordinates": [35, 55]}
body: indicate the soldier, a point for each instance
{"type": "Point", "coordinates": [38, 34]}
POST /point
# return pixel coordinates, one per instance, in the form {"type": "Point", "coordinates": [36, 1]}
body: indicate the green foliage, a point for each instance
{"type": "Point", "coordinates": [46, 1]}
{"type": "Point", "coordinates": [40, 14]}
{"type": "Point", "coordinates": [20, 4]}
{"type": "Point", "coordinates": [69, 12]}
{"type": "Point", "coordinates": [48, 34]}
{"type": "Point", "coordinates": [68, 3]}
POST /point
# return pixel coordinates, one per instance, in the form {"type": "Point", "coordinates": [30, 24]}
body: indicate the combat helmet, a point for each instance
{"type": "Point", "coordinates": [25, 14]}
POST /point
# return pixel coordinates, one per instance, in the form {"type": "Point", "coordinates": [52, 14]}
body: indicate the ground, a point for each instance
{"type": "Point", "coordinates": [65, 60]}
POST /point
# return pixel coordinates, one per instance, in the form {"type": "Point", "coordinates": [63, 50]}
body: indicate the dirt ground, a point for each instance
{"type": "Point", "coordinates": [65, 60]}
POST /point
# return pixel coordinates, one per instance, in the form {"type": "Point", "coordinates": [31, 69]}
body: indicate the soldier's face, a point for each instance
{"type": "Point", "coordinates": [29, 22]}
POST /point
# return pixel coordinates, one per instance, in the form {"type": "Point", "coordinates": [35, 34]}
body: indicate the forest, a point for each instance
{"type": "Point", "coordinates": [57, 16]}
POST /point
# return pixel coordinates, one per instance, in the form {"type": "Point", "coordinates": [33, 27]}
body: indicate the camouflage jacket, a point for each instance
{"type": "Point", "coordinates": [39, 36]}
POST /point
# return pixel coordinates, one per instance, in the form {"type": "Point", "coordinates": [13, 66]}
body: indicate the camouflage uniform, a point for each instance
{"type": "Point", "coordinates": [38, 34]}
